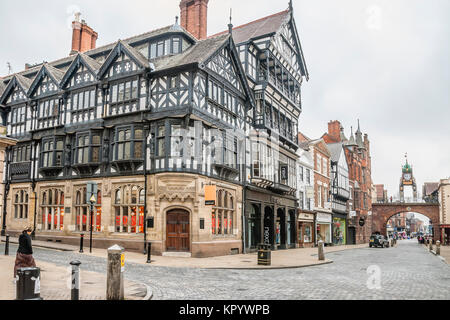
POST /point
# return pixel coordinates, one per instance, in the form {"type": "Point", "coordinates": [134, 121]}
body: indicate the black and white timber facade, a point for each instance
{"type": "Point", "coordinates": [152, 120]}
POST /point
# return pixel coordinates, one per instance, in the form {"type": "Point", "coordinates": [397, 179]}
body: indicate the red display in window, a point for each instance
{"type": "Point", "coordinates": [118, 221]}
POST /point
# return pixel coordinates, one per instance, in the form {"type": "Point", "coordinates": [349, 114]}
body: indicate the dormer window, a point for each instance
{"type": "Point", "coordinates": [165, 47]}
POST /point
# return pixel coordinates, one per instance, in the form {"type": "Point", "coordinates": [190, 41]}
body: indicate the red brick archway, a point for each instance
{"type": "Point", "coordinates": [382, 212]}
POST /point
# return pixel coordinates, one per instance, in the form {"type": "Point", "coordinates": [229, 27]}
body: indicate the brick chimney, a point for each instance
{"type": "Point", "coordinates": [84, 38]}
{"type": "Point", "coordinates": [334, 130]}
{"type": "Point", "coordinates": [194, 17]}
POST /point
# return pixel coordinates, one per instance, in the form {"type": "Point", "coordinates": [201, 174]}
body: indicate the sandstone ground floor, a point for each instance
{"type": "Point", "coordinates": [168, 210]}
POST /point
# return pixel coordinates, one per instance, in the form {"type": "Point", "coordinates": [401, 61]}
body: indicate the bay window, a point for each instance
{"type": "Point", "coordinates": [88, 148]}
{"type": "Point", "coordinates": [129, 143]}
{"type": "Point", "coordinates": [52, 151]}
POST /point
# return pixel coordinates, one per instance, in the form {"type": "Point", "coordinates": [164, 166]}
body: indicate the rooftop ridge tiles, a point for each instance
{"type": "Point", "coordinates": [252, 22]}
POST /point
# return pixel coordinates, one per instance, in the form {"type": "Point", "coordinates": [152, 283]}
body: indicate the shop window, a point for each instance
{"type": "Point", "coordinates": [83, 212]}
{"type": "Point", "coordinates": [52, 210]}
{"type": "Point", "coordinates": [21, 205]}
{"type": "Point", "coordinates": [129, 209]}
{"type": "Point", "coordinates": [223, 214]}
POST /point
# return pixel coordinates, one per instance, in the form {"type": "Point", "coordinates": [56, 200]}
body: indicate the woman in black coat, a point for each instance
{"type": "Point", "coordinates": [24, 256]}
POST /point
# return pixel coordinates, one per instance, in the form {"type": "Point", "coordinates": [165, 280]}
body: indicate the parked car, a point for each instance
{"type": "Point", "coordinates": [378, 240]}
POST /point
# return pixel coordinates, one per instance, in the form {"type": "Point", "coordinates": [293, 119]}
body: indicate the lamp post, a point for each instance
{"type": "Point", "coordinates": [92, 200]}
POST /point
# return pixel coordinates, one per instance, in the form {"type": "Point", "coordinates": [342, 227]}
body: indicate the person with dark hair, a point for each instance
{"type": "Point", "coordinates": [24, 256]}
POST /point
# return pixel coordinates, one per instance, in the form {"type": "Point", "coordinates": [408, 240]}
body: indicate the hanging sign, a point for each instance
{"type": "Point", "coordinates": [210, 195]}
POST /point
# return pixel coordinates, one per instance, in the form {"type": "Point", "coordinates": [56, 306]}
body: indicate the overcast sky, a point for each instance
{"type": "Point", "coordinates": [385, 62]}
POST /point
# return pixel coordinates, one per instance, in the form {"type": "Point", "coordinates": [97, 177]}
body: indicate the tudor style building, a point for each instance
{"type": "Point", "coordinates": [153, 119]}
{"type": "Point", "coordinates": [272, 58]}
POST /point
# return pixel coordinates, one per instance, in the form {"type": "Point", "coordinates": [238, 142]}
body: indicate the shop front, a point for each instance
{"type": "Point", "coordinates": [305, 227]}
{"type": "Point", "coordinates": [339, 231]}
{"type": "Point", "coordinates": [269, 219]}
{"type": "Point", "coordinates": [323, 228]}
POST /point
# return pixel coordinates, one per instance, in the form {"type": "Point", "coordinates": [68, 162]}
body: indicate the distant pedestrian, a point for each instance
{"type": "Point", "coordinates": [24, 256]}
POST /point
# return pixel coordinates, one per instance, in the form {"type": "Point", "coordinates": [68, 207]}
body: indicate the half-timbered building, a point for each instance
{"type": "Point", "coordinates": [153, 119]}
{"type": "Point", "coordinates": [272, 58]}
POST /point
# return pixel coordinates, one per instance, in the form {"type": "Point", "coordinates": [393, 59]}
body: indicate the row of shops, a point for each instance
{"type": "Point", "coordinates": [275, 221]}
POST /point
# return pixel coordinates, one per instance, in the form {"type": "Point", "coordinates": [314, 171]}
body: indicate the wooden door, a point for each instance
{"type": "Point", "coordinates": [178, 227]}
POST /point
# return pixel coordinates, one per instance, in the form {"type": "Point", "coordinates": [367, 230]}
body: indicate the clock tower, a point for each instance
{"type": "Point", "coordinates": [407, 179]}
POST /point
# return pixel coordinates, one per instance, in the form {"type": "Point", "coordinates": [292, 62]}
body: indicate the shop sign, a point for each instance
{"type": "Point", "coordinates": [306, 216]}
{"type": "Point", "coordinates": [362, 222]}
{"type": "Point", "coordinates": [352, 214]}
{"type": "Point", "coordinates": [266, 235]}
{"type": "Point", "coordinates": [210, 195]}
{"type": "Point", "coordinates": [310, 192]}
{"type": "Point", "coordinates": [323, 217]}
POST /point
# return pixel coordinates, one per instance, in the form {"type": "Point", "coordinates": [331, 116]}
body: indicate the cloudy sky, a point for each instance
{"type": "Point", "coordinates": [385, 62]}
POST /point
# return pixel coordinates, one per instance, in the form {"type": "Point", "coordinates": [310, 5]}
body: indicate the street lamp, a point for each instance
{"type": "Point", "coordinates": [92, 200]}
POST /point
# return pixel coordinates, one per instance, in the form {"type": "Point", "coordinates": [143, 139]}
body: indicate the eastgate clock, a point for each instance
{"type": "Point", "coordinates": [407, 176]}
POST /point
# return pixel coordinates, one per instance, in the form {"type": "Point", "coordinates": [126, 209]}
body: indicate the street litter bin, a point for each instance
{"type": "Point", "coordinates": [28, 285]}
{"type": "Point", "coordinates": [264, 255]}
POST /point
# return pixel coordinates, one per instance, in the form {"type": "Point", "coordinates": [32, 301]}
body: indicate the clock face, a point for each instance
{"type": "Point", "coordinates": [407, 176]}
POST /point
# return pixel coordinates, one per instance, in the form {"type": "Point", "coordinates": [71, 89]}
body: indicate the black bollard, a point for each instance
{"type": "Point", "coordinates": [149, 252]}
{"type": "Point", "coordinates": [7, 246]}
{"type": "Point", "coordinates": [81, 242]}
{"type": "Point", "coordinates": [28, 285]}
{"type": "Point", "coordinates": [75, 288]}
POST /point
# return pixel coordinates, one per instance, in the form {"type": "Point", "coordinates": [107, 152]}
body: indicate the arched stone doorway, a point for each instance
{"type": "Point", "coordinates": [382, 212]}
{"type": "Point", "coordinates": [178, 231]}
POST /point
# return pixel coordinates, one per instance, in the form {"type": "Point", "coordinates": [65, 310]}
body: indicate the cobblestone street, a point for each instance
{"type": "Point", "coordinates": [408, 271]}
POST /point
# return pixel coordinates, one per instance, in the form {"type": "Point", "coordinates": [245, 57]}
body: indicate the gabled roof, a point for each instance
{"type": "Point", "coordinates": [92, 65]}
{"type": "Point", "coordinates": [322, 143]}
{"type": "Point", "coordinates": [46, 69]}
{"type": "Point", "coordinates": [258, 28]}
{"type": "Point", "coordinates": [17, 80]}
{"type": "Point", "coordinates": [335, 151]}
{"type": "Point", "coordinates": [122, 46]}
{"type": "Point", "coordinates": [199, 54]}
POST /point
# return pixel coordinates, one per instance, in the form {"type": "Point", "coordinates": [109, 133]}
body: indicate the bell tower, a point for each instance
{"type": "Point", "coordinates": [407, 179]}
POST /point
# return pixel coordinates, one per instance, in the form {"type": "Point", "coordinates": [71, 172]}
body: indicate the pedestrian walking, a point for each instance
{"type": "Point", "coordinates": [24, 256]}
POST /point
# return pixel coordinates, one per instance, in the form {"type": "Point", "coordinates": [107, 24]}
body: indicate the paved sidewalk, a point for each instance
{"type": "Point", "coordinates": [55, 281]}
{"type": "Point", "coordinates": [445, 253]}
{"type": "Point", "coordinates": [293, 258]}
